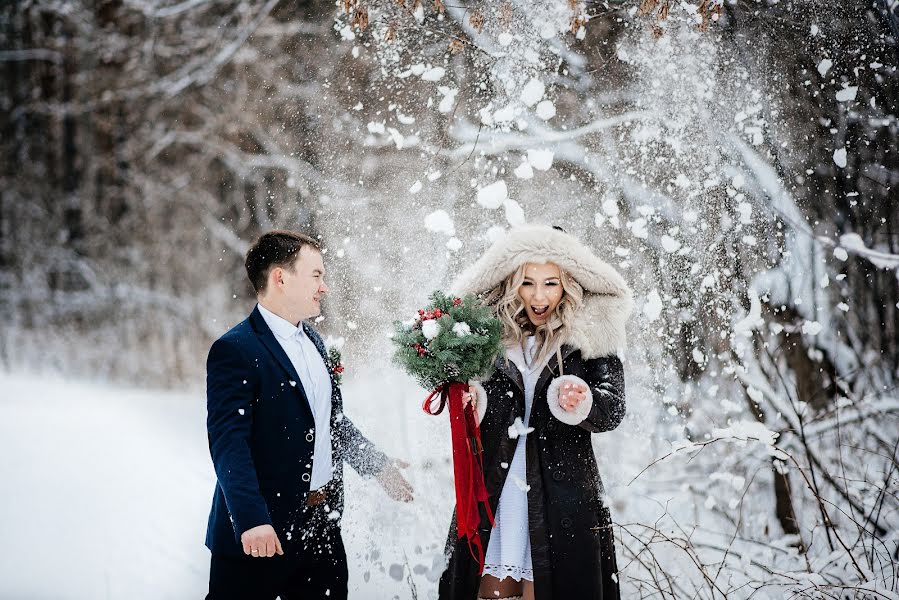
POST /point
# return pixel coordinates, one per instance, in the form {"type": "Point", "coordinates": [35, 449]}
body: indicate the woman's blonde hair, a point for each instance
{"type": "Point", "coordinates": [509, 309]}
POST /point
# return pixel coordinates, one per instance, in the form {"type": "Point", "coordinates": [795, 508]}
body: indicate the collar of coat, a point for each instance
{"type": "Point", "coordinates": [597, 328]}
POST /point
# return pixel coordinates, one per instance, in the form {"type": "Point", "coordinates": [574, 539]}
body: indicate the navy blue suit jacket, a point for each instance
{"type": "Point", "coordinates": [261, 436]}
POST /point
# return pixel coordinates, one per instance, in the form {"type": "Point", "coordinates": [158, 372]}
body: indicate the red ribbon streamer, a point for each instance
{"type": "Point", "coordinates": [468, 464]}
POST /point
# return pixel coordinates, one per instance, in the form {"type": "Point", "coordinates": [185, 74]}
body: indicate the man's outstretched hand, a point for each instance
{"type": "Point", "coordinates": [261, 541]}
{"type": "Point", "coordinates": [393, 481]}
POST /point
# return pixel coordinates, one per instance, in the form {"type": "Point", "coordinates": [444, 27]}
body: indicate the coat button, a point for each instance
{"type": "Point", "coordinates": [558, 475]}
{"type": "Point", "coordinates": [306, 477]}
{"type": "Point", "coordinates": [309, 437]}
{"type": "Point", "coordinates": [566, 522]}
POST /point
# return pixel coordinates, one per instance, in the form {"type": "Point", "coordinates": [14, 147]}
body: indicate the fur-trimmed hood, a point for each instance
{"type": "Point", "coordinates": [598, 326]}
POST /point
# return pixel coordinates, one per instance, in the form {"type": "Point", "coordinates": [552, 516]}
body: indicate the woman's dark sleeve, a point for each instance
{"type": "Point", "coordinates": [605, 378]}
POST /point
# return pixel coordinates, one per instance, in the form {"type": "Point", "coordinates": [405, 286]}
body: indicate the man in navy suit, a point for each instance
{"type": "Point", "coordinates": [279, 438]}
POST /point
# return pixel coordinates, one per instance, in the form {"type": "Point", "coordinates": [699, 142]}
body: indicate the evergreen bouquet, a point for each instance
{"type": "Point", "coordinates": [454, 340]}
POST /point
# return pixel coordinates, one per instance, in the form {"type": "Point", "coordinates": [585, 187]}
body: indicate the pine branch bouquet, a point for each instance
{"type": "Point", "coordinates": [452, 340]}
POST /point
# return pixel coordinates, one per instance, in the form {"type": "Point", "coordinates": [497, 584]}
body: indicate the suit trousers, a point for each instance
{"type": "Point", "coordinates": [314, 566]}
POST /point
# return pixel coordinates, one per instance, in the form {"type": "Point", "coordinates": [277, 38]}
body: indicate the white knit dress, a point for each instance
{"type": "Point", "coordinates": [509, 549]}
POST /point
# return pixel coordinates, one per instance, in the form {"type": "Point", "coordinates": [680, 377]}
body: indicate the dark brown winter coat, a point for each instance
{"type": "Point", "coordinates": [572, 547]}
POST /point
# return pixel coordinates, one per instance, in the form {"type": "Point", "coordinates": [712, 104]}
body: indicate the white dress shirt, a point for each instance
{"type": "Point", "coordinates": [316, 383]}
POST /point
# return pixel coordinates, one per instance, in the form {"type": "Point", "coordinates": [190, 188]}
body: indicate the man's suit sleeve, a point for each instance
{"type": "Point", "coordinates": [230, 385]}
{"type": "Point", "coordinates": [357, 449]}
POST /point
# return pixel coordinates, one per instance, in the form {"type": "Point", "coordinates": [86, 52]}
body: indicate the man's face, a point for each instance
{"type": "Point", "coordinates": [304, 284]}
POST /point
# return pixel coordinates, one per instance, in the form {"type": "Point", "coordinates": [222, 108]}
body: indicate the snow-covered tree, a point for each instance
{"type": "Point", "coordinates": [737, 160]}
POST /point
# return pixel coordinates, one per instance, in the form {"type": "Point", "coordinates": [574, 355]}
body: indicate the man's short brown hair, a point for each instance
{"type": "Point", "coordinates": [278, 248]}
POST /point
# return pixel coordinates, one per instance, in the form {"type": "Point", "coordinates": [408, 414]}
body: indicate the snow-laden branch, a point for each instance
{"type": "Point", "coordinates": [569, 146]}
{"type": "Point", "coordinates": [202, 70]}
{"type": "Point", "coordinates": [737, 433]}
{"type": "Point", "coordinates": [769, 182]}
{"type": "Point", "coordinates": [481, 41]}
{"type": "Point", "coordinates": [151, 8]}
{"type": "Point", "coordinates": [224, 234]}
{"type": "Point", "coordinates": [852, 414]}
{"type": "Point", "coordinates": [537, 137]}
{"type": "Point", "coordinates": [758, 388]}
{"type": "Point", "coordinates": [243, 163]}
{"type": "Point", "coordinates": [176, 9]}
{"type": "Point", "coordinates": [30, 54]}
{"type": "Point", "coordinates": [853, 243]}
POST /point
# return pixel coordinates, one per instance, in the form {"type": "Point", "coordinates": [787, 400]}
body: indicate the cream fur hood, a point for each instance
{"type": "Point", "coordinates": [598, 327]}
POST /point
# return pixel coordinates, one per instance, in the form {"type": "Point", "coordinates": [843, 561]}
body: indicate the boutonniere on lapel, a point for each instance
{"type": "Point", "coordinates": [335, 364]}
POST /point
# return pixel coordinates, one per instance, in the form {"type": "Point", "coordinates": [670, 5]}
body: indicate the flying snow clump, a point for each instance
{"type": "Point", "coordinates": [492, 196]}
{"type": "Point", "coordinates": [439, 221]}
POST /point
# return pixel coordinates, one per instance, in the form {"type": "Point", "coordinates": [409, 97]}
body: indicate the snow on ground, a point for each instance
{"type": "Point", "coordinates": [106, 491]}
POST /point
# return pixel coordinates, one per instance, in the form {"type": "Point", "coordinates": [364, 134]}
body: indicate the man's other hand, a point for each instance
{"type": "Point", "coordinates": [393, 481]}
{"type": "Point", "coordinates": [261, 541]}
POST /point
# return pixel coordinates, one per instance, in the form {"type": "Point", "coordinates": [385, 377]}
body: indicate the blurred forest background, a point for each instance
{"type": "Point", "coordinates": [737, 161]}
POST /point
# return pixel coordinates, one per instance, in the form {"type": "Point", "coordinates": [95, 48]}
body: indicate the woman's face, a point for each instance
{"type": "Point", "coordinates": [541, 291]}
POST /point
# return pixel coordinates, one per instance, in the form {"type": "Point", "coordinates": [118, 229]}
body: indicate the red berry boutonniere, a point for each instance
{"type": "Point", "coordinates": [335, 366]}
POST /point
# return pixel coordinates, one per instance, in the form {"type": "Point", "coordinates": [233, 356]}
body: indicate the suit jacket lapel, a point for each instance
{"type": "Point", "coordinates": [336, 397]}
{"type": "Point", "coordinates": [274, 347]}
{"type": "Point", "coordinates": [317, 340]}
{"type": "Point", "coordinates": [320, 346]}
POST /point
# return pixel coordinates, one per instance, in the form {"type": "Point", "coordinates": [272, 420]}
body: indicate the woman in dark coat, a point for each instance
{"type": "Point", "coordinates": [563, 312]}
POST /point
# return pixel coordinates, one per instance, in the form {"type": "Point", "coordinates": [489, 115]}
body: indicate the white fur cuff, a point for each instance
{"type": "Point", "coordinates": [580, 412]}
{"type": "Point", "coordinates": [481, 399]}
